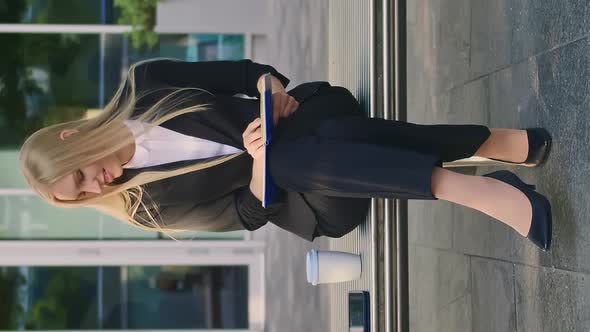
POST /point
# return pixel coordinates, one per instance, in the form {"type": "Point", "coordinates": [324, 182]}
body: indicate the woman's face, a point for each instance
{"type": "Point", "coordinates": [89, 179]}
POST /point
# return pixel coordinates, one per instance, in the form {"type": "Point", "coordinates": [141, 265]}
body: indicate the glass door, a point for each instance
{"type": "Point", "coordinates": [131, 285]}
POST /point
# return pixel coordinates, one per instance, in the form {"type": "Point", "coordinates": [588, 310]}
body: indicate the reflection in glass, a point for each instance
{"type": "Point", "coordinates": [118, 54]}
{"type": "Point", "coordinates": [52, 78]}
{"type": "Point", "coordinates": [358, 312]}
{"type": "Point", "coordinates": [59, 78]}
{"type": "Point", "coordinates": [194, 47]}
{"type": "Point", "coordinates": [44, 79]}
{"type": "Point", "coordinates": [117, 298]}
{"type": "Point", "coordinates": [58, 12]}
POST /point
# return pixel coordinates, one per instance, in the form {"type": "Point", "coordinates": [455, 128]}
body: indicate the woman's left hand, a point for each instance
{"type": "Point", "coordinates": [283, 105]}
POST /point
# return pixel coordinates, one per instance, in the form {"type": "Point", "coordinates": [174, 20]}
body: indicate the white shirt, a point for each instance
{"type": "Point", "coordinates": [161, 146]}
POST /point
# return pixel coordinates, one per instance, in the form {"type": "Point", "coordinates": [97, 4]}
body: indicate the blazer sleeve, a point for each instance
{"type": "Point", "coordinates": [217, 77]}
{"type": "Point", "coordinates": [235, 211]}
{"type": "Point", "coordinates": [219, 215]}
{"type": "Point", "coordinates": [252, 214]}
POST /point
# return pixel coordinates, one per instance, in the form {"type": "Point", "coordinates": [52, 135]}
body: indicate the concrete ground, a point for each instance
{"type": "Point", "coordinates": [503, 63]}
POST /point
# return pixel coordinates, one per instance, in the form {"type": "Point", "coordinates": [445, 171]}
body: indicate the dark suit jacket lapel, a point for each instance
{"type": "Point", "coordinates": [217, 124]}
{"type": "Point", "coordinates": [199, 186]}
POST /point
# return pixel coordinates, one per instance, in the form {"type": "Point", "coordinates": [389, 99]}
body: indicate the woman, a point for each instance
{"type": "Point", "coordinates": [175, 149]}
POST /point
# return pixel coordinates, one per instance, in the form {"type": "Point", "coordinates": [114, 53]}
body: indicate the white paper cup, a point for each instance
{"type": "Point", "coordinates": [324, 267]}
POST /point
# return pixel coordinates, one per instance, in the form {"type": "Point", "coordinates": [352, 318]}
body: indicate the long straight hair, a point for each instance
{"type": "Point", "coordinates": [45, 158]}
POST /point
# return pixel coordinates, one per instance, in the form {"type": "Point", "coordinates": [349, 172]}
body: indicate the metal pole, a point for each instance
{"type": "Point", "coordinates": [402, 296]}
{"type": "Point", "coordinates": [374, 298]}
{"type": "Point", "coordinates": [388, 217]}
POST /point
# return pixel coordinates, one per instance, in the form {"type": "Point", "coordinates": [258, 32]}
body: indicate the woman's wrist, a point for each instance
{"type": "Point", "coordinates": [256, 182]}
{"type": "Point", "coordinates": [276, 85]}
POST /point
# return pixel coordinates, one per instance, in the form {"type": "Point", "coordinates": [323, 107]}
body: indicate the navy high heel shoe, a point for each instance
{"type": "Point", "coordinates": [539, 148]}
{"type": "Point", "coordinates": [540, 232]}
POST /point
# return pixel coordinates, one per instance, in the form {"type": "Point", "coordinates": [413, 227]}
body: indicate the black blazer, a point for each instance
{"type": "Point", "coordinates": [218, 198]}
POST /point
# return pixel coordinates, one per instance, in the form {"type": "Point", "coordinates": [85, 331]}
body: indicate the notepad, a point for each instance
{"type": "Point", "coordinates": [269, 188]}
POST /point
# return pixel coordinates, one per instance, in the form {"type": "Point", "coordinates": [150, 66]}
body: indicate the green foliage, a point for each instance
{"type": "Point", "coordinates": [62, 304]}
{"type": "Point", "coordinates": [62, 113]}
{"type": "Point", "coordinates": [20, 54]}
{"type": "Point", "coordinates": [141, 15]}
{"type": "Point", "coordinates": [10, 308]}
{"type": "Point", "coordinates": [63, 12]}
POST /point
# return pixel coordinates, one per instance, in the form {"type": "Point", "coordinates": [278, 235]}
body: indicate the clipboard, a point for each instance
{"type": "Point", "coordinates": [269, 188]}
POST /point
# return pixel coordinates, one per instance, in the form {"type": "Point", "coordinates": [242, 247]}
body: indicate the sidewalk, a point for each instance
{"type": "Point", "coordinates": [503, 63]}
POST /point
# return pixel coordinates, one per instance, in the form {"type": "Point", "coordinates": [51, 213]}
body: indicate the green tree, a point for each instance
{"type": "Point", "coordinates": [11, 310]}
{"type": "Point", "coordinates": [21, 53]}
{"type": "Point", "coordinates": [141, 15]}
{"type": "Point", "coordinates": [63, 304]}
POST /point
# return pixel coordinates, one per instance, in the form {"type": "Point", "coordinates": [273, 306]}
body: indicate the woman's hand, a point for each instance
{"type": "Point", "coordinates": [282, 106]}
{"type": "Point", "coordinates": [282, 103]}
{"type": "Point", "coordinates": [253, 139]}
{"type": "Point", "coordinates": [255, 145]}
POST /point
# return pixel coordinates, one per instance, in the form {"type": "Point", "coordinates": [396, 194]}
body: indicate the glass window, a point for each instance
{"type": "Point", "coordinates": [52, 78]}
{"type": "Point", "coordinates": [30, 218]}
{"type": "Point", "coordinates": [58, 12]}
{"type": "Point", "coordinates": [194, 47]}
{"type": "Point", "coordinates": [124, 297]}
{"type": "Point", "coordinates": [45, 79]}
{"type": "Point", "coordinates": [119, 54]}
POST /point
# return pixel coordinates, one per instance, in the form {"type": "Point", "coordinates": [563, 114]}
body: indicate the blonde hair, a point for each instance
{"type": "Point", "coordinates": [44, 158]}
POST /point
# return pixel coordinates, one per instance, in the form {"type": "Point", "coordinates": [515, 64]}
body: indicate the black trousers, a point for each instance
{"type": "Point", "coordinates": [348, 158]}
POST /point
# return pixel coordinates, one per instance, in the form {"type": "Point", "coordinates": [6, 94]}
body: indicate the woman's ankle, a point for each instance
{"type": "Point", "coordinates": [489, 196]}
{"type": "Point", "coordinates": [505, 144]}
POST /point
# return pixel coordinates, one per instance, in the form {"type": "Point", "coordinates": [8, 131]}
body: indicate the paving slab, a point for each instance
{"type": "Point", "coordinates": [550, 300]}
{"type": "Point", "coordinates": [440, 287]}
{"type": "Point", "coordinates": [492, 295]}
{"type": "Point", "coordinates": [527, 65]}
{"type": "Point", "coordinates": [538, 26]}
{"type": "Point", "coordinates": [491, 32]}
{"type": "Point", "coordinates": [439, 43]}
